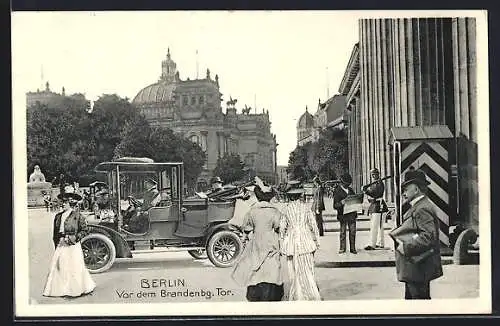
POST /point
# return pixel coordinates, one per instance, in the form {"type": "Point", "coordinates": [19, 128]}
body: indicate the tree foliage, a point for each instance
{"type": "Point", "coordinates": [327, 157]}
{"type": "Point", "coordinates": [298, 163]}
{"type": "Point", "coordinates": [67, 139]}
{"type": "Point", "coordinates": [230, 168]}
{"type": "Point", "coordinates": [57, 139]}
{"type": "Point", "coordinates": [161, 145]}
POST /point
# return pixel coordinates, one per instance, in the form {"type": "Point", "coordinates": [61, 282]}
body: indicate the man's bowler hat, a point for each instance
{"type": "Point", "coordinates": [416, 177]}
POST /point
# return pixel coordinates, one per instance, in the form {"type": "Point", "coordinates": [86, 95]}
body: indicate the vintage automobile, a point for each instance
{"type": "Point", "coordinates": [196, 225]}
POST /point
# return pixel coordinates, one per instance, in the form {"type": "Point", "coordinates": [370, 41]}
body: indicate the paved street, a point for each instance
{"type": "Point", "coordinates": [181, 273]}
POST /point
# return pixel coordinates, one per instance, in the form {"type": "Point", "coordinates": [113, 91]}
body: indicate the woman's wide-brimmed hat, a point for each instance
{"type": "Point", "coordinates": [416, 177]}
{"type": "Point", "coordinates": [346, 178]}
{"type": "Point", "coordinates": [70, 194]}
{"type": "Point", "coordinates": [262, 191]}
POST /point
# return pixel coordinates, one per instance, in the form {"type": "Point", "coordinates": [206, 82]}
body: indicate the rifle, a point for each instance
{"type": "Point", "coordinates": [376, 181]}
{"type": "Point", "coordinates": [330, 181]}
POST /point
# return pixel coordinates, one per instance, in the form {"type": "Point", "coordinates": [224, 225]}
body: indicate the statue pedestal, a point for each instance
{"type": "Point", "coordinates": [35, 195]}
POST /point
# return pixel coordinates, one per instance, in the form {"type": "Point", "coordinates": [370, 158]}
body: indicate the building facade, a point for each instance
{"type": "Point", "coordinates": [330, 114]}
{"type": "Point", "coordinates": [305, 128]}
{"type": "Point", "coordinates": [414, 72]}
{"type": "Point", "coordinates": [52, 99]}
{"type": "Point", "coordinates": [193, 109]}
{"type": "Point", "coordinates": [282, 174]}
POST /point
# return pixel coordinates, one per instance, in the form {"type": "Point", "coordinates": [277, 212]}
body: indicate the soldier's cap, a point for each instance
{"type": "Point", "coordinates": [416, 177]}
{"type": "Point", "coordinates": [374, 171]}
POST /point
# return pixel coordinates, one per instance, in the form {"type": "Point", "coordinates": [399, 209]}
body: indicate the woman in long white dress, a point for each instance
{"type": "Point", "coordinates": [299, 236]}
{"type": "Point", "coordinates": [68, 276]}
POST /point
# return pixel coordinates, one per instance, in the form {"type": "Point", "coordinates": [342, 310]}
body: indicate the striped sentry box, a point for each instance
{"type": "Point", "coordinates": [432, 158]}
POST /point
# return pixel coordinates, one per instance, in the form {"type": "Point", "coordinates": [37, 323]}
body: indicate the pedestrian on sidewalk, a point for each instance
{"type": "Point", "coordinates": [299, 241]}
{"type": "Point", "coordinates": [318, 205]}
{"type": "Point", "coordinates": [346, 220]}
{"type": "Point", "coordinates": [418, 257]}
{"type": "Point", "coordinates": [375, 193]}
{"type": "Point", "coordinates": [259, 266]}
{"type": "Point", "coordinates": [68, 275]}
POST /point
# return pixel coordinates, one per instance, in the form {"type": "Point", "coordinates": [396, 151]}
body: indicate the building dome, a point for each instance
{"type": "Point", "coordinates": [306, 120]}
{"type": "Point", "coordinates": [155, 93]}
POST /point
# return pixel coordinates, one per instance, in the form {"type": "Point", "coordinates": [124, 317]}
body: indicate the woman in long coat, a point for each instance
{"type": "Point", "coordinates": [68, 276]}
{"type": "Point", "coordinates": [259, 267]}
{"type": "Point", "coordinates": [300, 240]}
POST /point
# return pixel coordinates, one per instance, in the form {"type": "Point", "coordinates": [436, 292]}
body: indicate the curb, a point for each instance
{"type": "Point", "coordinates": [368, 263]}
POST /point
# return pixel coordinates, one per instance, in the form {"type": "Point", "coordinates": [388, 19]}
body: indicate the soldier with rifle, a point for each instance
{"type": "Point", "coordinates": [375, 192]}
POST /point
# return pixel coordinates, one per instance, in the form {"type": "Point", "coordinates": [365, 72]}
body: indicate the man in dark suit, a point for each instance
{"type": "Point", "coordinates": [346, 220]}
{"type": "Point", "coordinates": [318, 205]}
{"type": "Point", "coordinates": [418, 258]}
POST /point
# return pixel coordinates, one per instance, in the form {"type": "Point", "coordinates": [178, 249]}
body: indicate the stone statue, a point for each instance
{"type": "Point", "coordinates": [38, 188]}
{"type": "Point", "coordinates": [37, 175]}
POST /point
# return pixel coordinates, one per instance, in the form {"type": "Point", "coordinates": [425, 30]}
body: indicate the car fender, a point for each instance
{"type": "Point", "coordinates": [218, 227]}
{"type": "Point", "coordinates": [121, 245]}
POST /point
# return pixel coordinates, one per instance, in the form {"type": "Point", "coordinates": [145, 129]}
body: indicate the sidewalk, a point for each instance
{"type": "Point", "coordinates": [328, 256]}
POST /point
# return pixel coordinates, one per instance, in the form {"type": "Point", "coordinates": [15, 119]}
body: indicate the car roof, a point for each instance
{"type": "Point", "coordinates": [134, 166]}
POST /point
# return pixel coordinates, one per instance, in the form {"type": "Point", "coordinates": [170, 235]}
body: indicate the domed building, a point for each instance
{"type": "Point", "coordinates": [193, 109]}
{"type": "Point", "coordinates": [305, 128]}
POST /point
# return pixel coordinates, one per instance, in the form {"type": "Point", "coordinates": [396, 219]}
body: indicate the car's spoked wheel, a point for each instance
{"type": "Point", "coordinates": [224, 248]}
{"type": "Point", "coordinates": [98, 252]}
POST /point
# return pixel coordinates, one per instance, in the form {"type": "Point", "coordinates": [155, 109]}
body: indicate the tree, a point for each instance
{"type": "Point", "coordinates": [327, 157]}
{"type": "Point", "coordinates": [230, 168]}
{"type": "Point", "coordinates": [57, 139]}
{"type": "Point", "coordinates": [68, 139]}
{"type": "Point", "coordinates": [330, 154]}
{"type": "Point", "coordinates": [298, 165]}
{"type": "Point", "coordinates": [161, 145]}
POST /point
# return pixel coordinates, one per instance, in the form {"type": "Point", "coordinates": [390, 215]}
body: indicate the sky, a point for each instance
{"type": "Point", "coordinates": [280, 61]}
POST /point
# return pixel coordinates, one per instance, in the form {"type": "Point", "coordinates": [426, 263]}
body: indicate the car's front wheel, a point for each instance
{"type": "Point", "coordinates": [99, 252]}
{"type": "Point", "coordinates": [224, 248]}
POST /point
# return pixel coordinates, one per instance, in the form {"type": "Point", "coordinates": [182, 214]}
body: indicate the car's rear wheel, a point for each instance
{"type": "Point", "coordinates": [198, 254]}
{"type": "Point", "coordinates": [99, 252]}
{"type": "Point", "coordinates": [224, 248]}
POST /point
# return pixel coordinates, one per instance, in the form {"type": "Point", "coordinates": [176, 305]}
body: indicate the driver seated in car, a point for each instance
{"type": "Point", "coordinates": [138, 215]}
{"type": "Point", "coordinates": [151, 196]}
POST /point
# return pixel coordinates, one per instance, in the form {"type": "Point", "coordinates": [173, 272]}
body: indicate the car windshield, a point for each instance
{"type": "Point", "coordinates": [151, 185]}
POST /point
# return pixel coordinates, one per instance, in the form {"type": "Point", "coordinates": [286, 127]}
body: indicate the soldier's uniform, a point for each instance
{"type": "Point", "coordinates": [375, 211]}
